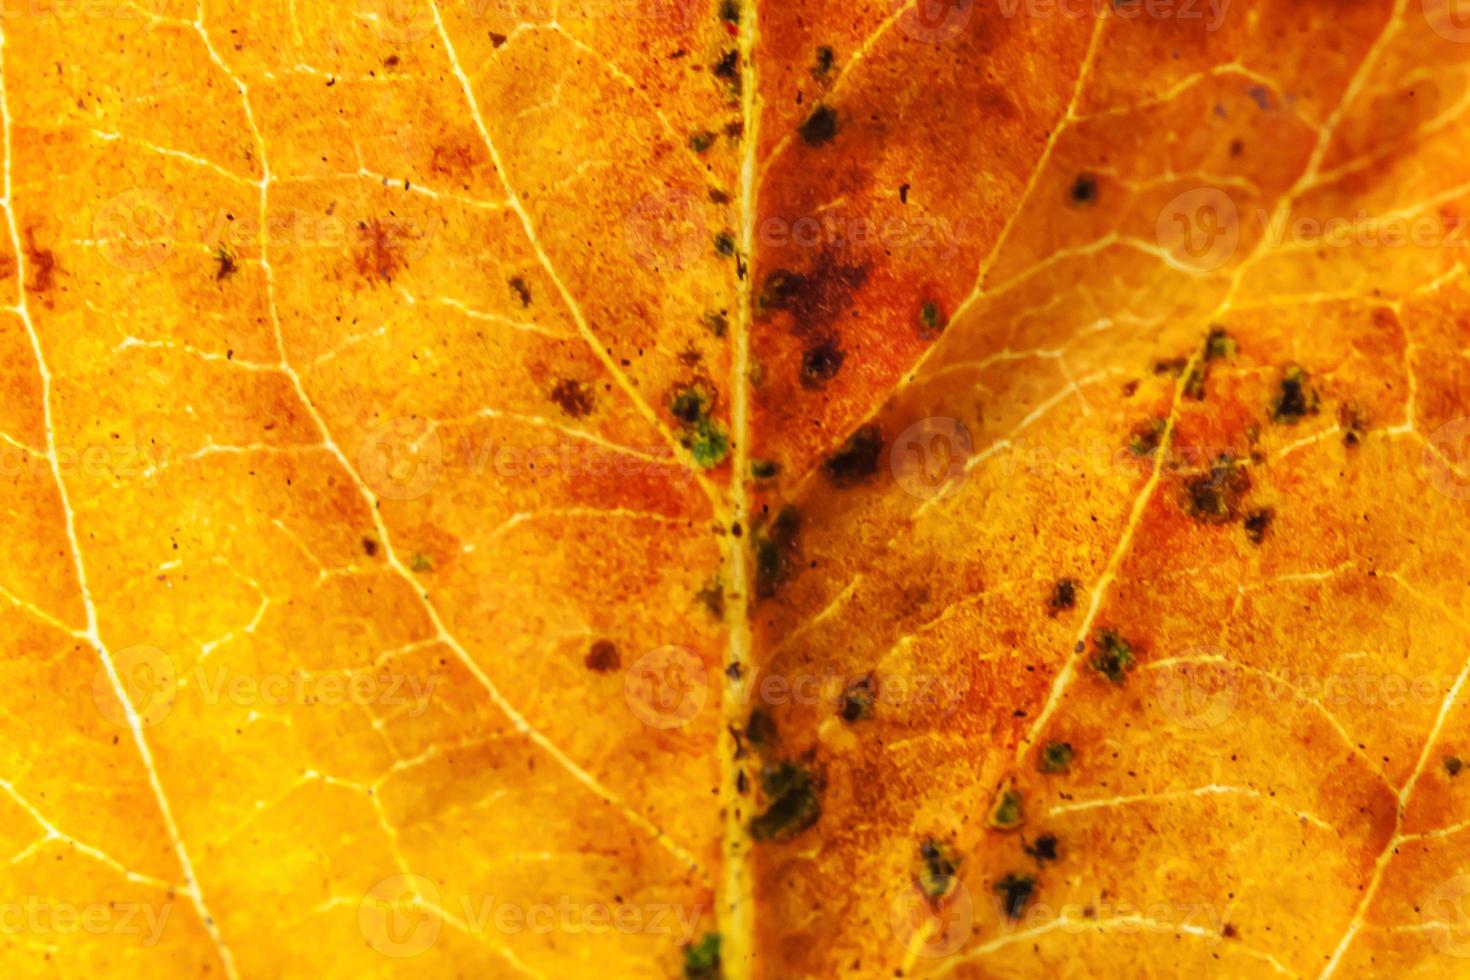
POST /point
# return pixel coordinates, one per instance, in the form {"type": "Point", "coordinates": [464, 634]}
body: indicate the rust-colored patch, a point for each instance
{"type": "Point", "coordinates": [452, 159]}
{"type": "Point", "coordinates": [382, 249]}
{"type": "Point", "coordinates": [43, 265]}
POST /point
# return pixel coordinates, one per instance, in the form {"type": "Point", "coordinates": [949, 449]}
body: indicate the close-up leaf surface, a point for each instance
{"type": "Point", "coordinates": [735, 488]}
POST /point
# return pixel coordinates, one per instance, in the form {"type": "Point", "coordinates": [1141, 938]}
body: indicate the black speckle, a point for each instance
{"type": "Point", "coordinates": [1084, 190]}
{"type": "Point", "coordinates": [1453, 765]}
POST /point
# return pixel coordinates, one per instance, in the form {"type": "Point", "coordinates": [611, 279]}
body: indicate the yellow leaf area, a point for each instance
{"type": "Point", "coordinates": [776, 488]}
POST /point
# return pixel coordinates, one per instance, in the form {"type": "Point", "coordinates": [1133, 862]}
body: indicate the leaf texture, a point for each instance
{"type": "Point", "coordinates": [747, 489]}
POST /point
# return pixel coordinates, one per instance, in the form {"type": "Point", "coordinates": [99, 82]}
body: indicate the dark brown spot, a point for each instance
{"type": "Point", "coordinates": [1063, 596]}
{"type": "Point", "coordinates": [1084, 190]}
{"type": "Point", "coordinates": [821, 363]}
{"type": "Point", "coordinates": [1295, 397]}
{"type": "Point", "coordinates": [1350, 418]}
{"type": "Point", "coordinates": [369, 547]}
{"type": "Point", "coordinates": [522, 291]}
{"type": "Point", "coordinates": [856, 460]}
{"type": "Point", "coordinates": [497, 40]}
{"type": "Point", "coordinates": [226, 263]}
{"type": "Point", "coordinates": [573, 397]}
{"type": "Point", "coordinates": [820, 127]}
{"type": "Point", "coordinates": [391, 61]}
{"type": "Point", "coordinates": [775, 548]}
{"type": "Point", "coordinates": [1043, 849]}
{"type": "Point", "coordinates": [603, 657]}
{"type": "Point", "coordinates": [1257, 523]}
{"type": "Point", "coordinates": [856, 703]}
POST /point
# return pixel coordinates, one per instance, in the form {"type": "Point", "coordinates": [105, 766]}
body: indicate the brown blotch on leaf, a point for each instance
{"type": "Point", "coordinates": [603, 657]}
{"type": "Point", "coordinates": [856, 460]}
{"type": "Point", "coordinates": [573, 397]}
{"type": "Point", "coordinates": [813, 298]}
{"type": "Point", "coordinates": [1216, 497]}
{"type": "Point", "coordinates": [369, 547]}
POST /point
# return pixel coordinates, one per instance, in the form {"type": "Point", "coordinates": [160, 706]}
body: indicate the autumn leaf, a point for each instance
{"type": "Point", "coordinates": [728, 488]}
